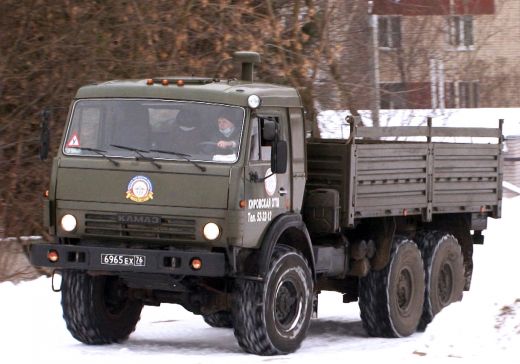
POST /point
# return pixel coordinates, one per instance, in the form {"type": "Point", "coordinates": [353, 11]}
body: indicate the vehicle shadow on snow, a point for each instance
{"type": "Point", "coordinates": [196, 343]}
{"type": "Point", "coordinates": [336, 329]}
{"type": "Point", "coordinates": [224, 342]}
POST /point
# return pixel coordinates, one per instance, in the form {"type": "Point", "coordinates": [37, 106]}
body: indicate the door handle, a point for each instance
{"type": "Point", "coordinates": [282, 191]}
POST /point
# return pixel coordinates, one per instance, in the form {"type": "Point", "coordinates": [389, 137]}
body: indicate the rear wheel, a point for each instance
{"type": "Point", "coordinates": [391, 300]}
{"type": "Point", "coordinates": [221, 319]}
{"type": "Point", "coordinates": [272, 317]}
{"type": "Point", "coordinates": [98, 310]}
{"type": "Point", "coordinates": [444, 270]}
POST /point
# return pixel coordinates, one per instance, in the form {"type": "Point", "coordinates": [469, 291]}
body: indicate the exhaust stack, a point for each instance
{"type": "Point", "coordinates": [248, 61]}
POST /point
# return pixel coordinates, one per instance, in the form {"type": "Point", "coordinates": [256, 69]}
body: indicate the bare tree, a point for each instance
{"type": "Point", "coordinates": [50, 48]}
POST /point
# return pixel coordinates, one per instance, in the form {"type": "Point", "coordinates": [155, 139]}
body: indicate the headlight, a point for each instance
{"type": "Point", "coordinates": [68, 223]}
{"type": "Point", "coordinates": [253, 101]}
{"type": "Point", "coordinates": [211, 231]}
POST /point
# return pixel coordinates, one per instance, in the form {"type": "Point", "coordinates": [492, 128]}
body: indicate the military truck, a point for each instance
{"type": "Point", "coordinates": [147, 205]}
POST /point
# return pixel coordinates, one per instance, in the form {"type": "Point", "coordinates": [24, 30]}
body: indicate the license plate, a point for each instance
{"type": "Point", "coordinates": [124, 260]}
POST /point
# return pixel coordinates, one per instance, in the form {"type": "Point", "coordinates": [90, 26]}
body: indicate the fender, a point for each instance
{"type": "Point", "coordinates": [278, 227]}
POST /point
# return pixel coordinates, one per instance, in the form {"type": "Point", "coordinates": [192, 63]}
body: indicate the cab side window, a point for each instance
{"type": "Point", "coordinates": [260, 147]}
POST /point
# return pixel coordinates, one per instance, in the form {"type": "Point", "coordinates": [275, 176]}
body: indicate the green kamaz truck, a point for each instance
{"type": "Point", "coordinates": [206, 193]}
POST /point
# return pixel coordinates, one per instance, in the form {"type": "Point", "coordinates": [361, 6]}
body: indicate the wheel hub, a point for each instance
{"type": "Point", "coordinates": [404, 290]}
{"type": "Point", "coordinates": [445, 286]}
{"type": "Point", "coordinates": [287, 307]}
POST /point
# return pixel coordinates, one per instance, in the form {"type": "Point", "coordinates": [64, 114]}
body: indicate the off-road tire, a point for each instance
{"type": "Point", "coordinates": [272, 317]}
{"type": "Point", "coordinates": [220, 319]}
{"type": "Point", "coordinates": [444, 272]}
{"type": "Point", "coordinates": [97, 310]}
{"type": "Point", "coordinates": [391, 300]}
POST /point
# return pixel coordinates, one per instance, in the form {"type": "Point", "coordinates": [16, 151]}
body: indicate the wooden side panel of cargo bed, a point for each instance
{"type": "Point", "coordinates": [466, 177]}
{"type": "Point", "coordinates": [377, 179]}
{"type": "Point", "coordinates": [390, 179]}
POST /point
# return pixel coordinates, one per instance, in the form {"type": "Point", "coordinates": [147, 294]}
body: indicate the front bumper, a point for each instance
{"type": "Point", "coordinates": [99, 259]}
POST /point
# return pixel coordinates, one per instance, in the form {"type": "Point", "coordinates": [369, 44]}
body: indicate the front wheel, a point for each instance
{"type": "Point", "coordinates": [391, 300]}
{"type": "Point", "coordinates": [98, 310]}
{"type": "Point", "coordinates": [272, 317]}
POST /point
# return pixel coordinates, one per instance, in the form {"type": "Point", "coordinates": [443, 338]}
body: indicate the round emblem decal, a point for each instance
{"type": "Point", "coordinates": [140, 189]}
{"type": "Point", "coordinates": [270, 183]}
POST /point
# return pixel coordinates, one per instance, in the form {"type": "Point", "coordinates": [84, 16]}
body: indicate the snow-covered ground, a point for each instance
{"type": "Point", "coordinates": [484, 327]}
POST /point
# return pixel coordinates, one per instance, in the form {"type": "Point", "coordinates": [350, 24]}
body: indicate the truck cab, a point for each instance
{"type": "Point", "coordinates": [140, 160]}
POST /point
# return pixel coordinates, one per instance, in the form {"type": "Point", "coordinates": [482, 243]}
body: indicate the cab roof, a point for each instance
{"type": "Point", "coordinates": [231, 92]}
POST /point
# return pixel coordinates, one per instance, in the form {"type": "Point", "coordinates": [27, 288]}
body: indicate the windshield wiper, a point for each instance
{"type": "Point", "coordinates": [100, 152]}
{"type": "Point", "coordinates": [140, 153]}
{"type": "Point", "coordinates": [182, 155]}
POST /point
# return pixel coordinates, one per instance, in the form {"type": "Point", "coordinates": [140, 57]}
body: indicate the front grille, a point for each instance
{"type": "Point", "coordinates": [170, 228]}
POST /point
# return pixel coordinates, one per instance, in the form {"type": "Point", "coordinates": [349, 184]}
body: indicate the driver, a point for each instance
{"type": "Point", "coordinates": [227, 136]}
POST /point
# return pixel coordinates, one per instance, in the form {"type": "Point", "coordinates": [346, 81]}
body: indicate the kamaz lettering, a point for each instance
{"type": "Point", "coordinates": [139, 219]}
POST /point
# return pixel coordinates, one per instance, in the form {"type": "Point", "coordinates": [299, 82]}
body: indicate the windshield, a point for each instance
{"type": "Point", "coordinates": [155, 128]}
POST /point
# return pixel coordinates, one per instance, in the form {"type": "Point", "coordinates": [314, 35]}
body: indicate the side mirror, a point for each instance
{"type": "Point", "coordinates": [279, 157]}
{"type": "Point", "coordinates": [45, 134]}
{"type": "Point", "coordinates": [269, 130]}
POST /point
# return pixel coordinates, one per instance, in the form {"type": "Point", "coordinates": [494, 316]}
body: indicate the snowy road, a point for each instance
{"type": "Point", "coordinates": [485, 326]}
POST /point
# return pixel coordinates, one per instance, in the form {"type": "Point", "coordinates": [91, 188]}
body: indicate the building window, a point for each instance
{"type": "Point", "coordinates": [389, 31]}
{"type": "Point", "coordinates": [463, 94]}
{"type": "Point", "coordinates": [468, 94]}
{"type": "Point", "coordinates": [393, 96]}
{"type": "Point", "coordinates": [460, 31]}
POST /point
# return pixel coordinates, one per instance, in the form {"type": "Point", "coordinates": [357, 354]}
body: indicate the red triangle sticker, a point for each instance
{"type": "Point", "coordinates": [74, 141]}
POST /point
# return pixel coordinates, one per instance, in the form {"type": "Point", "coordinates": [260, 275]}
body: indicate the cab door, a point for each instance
{"type": "Point", "coordinates": [267, 195]}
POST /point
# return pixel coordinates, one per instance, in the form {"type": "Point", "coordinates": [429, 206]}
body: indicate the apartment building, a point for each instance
{"type": "Point", "coordinates": [446, 53]}
{"type": "Point", "coordinates": [409, 54]}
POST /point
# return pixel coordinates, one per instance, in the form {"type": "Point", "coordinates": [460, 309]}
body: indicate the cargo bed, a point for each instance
{"type": "Point", "coordinates": [377, 178]}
